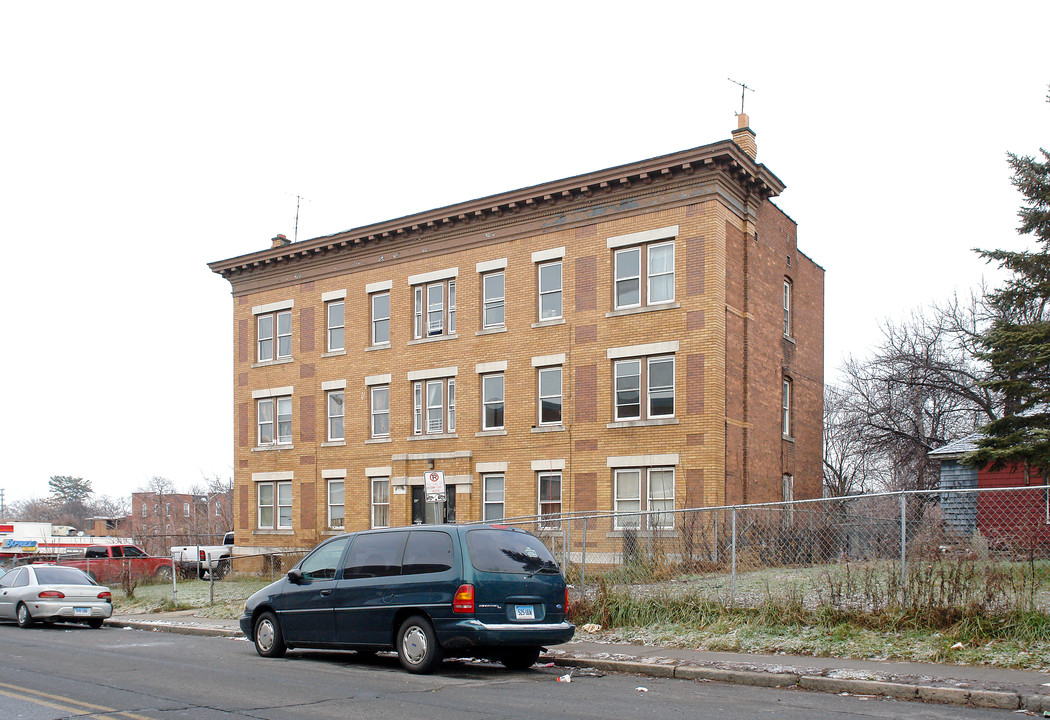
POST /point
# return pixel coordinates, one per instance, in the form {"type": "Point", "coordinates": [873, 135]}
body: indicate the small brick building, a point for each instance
{"type": "Point", "coordinates": [644, 337]}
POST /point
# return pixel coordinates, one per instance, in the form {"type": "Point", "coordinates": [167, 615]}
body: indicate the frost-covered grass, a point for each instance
{"type": "Point", "coordinates": [229, 597]}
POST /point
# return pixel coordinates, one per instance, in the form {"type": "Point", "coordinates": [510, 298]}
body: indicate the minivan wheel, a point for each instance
{"type": "Point", "coordinates": [269, 640]}
{"type": "Point", "coordinates": [519, 658]}
{"type": "Point", "coordinates": [417, 645]}
{"type": "Point", "coordinates": [25, 620]}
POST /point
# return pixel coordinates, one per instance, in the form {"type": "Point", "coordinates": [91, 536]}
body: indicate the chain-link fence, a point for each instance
{"type": "Point", "coordinates": [986, 549]}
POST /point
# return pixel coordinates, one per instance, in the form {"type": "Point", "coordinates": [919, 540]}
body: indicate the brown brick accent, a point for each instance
{"type": "Point", "coordinates": [585, 445]}
{"type": "Point", "coordinates": [307, 419]}
{"type": "Point", "coordinates": [694, 210]}
{"type": "Point", "coordinates": [242, 379]}
{"type": "Point", "coordinates": [586, 283]}
{"type": "Point", "coordinates": [245, 341]}
{"type": "Point", "coordinates": [243, 464]}
{"type": "Point", "coordinates": [307, 370]}
{"type": "Point", "coordinates": [694, 320]}
{"type": "Point", "coordinates": [694, 266]}
{"type": "Point", "coordinates": [586, 491]}
{"type": "Point", "coordinates": [694, 383]}
{"type": "Point", "coordinates": [693, 439]}
{"type": "Point", "coordinates": [244, 502]}
{"type": "Point", "coordinates": [306, 329]}
{"type": "Point", "coordinates": [586, 393]}
{"type": "Point", "coordinates": [694, 488]}
{"type": "Point", "coordinates": [586, 334]}
{"type": "Point", "coordinates": [586, 231]}
{"type": "Point", "coordinates": [245, 418]}
{"type": "Point", "coordinates": [306, 460]}
{"type": "Point", "coordinates": [307, 506]}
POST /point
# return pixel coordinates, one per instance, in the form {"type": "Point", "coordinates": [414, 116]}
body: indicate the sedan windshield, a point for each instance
{"type": "Point", "coordinates": [61, 576]}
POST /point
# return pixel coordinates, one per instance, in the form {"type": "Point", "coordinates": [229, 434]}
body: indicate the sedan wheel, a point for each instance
{"type": "Point", "coordinates": [269, 640]}
{"type": "Point", "coordinates": [417, 645]}
{"type": "Point", "coordinates": [25, 620]}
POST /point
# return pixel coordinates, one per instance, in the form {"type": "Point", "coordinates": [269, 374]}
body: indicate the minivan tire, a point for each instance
{"type": "Point", "coordinates": [269, 640]}
{"type": "Point", "coordinates": [521, 658]}
{"type": "Point", "coordinates": [417, 645]}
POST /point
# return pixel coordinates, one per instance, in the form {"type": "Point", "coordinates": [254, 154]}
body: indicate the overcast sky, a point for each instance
{"type": "Point", "coordinates": [142, 140]}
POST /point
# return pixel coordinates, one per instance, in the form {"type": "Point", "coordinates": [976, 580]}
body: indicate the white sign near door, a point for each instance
{"type": "Point", "coordinates": [434, 485]}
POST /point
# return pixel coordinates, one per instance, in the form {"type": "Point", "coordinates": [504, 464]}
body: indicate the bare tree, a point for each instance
{"type": "Point", "coordinates": [848, 466]}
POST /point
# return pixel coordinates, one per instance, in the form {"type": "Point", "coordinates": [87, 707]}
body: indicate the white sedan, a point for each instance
{"type": "Point", "coordinates": [52, 593]}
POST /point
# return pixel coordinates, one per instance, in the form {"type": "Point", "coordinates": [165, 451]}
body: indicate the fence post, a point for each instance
{"type": "Point", "coordinates": [174, 583]}
{"type": "Point", "coordinates": [904, 542]}
{"type": "Point", "coordinates": [583, 561]}
{"type": "Point", "coordinates": [566, 542]}
{"type": "Point", "coordinates": [733, 561]}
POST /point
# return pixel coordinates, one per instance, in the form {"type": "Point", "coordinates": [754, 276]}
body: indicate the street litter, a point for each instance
{"type": "Point", "coordinates": [642, 689]}
{"type": "Point", "coordinates": [567, 677]}
{"type": "Point", "coordinates": [591, 628]}
{"type": "Point", "coordinates": [958, 646]}
{"type": "Point", "coordinates": [547, 665]}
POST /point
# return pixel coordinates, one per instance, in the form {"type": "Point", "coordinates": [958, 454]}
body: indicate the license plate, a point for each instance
{"type": "Point", "coordinates": [81, 611]}
{"type": "Point", "coordinates": [524, 612]}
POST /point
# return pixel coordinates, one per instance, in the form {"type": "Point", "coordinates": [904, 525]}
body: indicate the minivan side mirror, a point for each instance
{"type": "Point", "coordinates": [295, 576]}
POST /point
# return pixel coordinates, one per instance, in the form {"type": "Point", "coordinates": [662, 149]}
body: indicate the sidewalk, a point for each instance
{"type": "Point", "coordinates": [953, 684]}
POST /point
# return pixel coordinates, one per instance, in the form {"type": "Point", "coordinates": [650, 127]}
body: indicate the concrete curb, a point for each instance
{"type": "Point", "coordinates": [755, 678]}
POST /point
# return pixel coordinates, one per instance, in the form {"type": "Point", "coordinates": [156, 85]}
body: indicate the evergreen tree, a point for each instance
{"type": "Point", "coordinates": [1017, 342]}
{"type": "Point", "coordinates": [67, 489]}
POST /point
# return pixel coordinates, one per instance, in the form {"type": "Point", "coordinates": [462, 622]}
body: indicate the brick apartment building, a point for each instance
{"type": "Point", "coordinates": [643, 337]}
{"type": "Point", "coordinates": [160, 520]}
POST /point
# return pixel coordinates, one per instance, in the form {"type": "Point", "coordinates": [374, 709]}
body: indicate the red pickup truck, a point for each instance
{"type": "Point", "coordinates": [107, 563]}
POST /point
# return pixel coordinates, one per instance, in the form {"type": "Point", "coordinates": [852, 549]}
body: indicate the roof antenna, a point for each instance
{"type": "Point", "coordinates": [298, 199]}
{"type": "Point", "coordinates": [743, 88]}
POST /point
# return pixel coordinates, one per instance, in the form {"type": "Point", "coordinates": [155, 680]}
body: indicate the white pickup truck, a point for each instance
{"type": "Point", "coordinates": [202, 560]}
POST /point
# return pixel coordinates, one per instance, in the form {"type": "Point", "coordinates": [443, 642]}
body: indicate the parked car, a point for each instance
{"type": "Point", "coordinates": [428, 592]}
{"type": "Point", "coordinates": [53, 593]}
{"type": "Point", "coordinates": [108, 563]}
{"type": "Point", "coordinates": [202, 560]}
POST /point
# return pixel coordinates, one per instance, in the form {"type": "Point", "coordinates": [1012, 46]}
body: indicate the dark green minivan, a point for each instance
{"type": "Point", "coordinates": [426, 591]}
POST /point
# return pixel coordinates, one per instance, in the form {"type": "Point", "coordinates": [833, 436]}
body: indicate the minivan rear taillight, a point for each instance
{"type": "Point", "coordinates": [463, 601]}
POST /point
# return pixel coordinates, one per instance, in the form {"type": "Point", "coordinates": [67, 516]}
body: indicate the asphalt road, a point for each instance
{"type": "Point", "coordinates": [64, 671]}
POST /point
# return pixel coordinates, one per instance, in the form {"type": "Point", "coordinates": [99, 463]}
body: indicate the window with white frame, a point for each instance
{"type": "Point", "coordinates": [655, 485]}
{"type": "Point", "coordinates": [550, 291]}
{"type": "Point", "coordinates": [380, 318]}
{"type": "Point", "coordinates": [274, 333]}
{"type": "Point", "coordinates": [434, 404]}
{"type": "Point", "coordinates": [274, 505]}
{"type": "Point", "coordinates": [336, 322]}
{"type": "Point", "coordinates": [275, 421]}
{"type": "Point", "coordinates": [336, 413]}
{"type": "Point", "coordinates": [492, 393]}
{"type": "Point", "coordinates": [550, 394]}
{"type": "Point", "coordinates": [493, 497]}
{"type": "Point", "coordinates": [380, 410]}
{"type": "Point", "coordinates": [143, 509]}
{"type": "Point", "coordinates": [785, 408]}
{"type": "Point", "coordinates": [549, 494]}
{"type": "Point", "coordinates": [787, 307]}
{"type": "Point", "coordinates": [435, 309]}
{"type": "Point", "coordinates": [337, 503]}
{"type": "Point", "coordinates": [656, 375]}
{"type": "Point", "coordinates": [493, 288]}
{"type": "Point", "coordinates": [380, 502]}
{"type": "Point", "coordinates": [653, 262]}
{"type": "Point", "coordinates": [185, 509]}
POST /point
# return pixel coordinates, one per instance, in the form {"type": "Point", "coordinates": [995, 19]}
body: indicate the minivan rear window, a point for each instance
{"type": "Point", "coordinates": [505, 551]}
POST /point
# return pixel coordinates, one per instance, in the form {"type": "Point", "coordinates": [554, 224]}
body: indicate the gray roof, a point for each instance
{"type": "Point", "coordinates": [957, 448]}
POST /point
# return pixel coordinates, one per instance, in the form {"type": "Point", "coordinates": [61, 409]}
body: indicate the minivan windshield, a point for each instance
{"type": "Point", "coordinates": [505, 551]}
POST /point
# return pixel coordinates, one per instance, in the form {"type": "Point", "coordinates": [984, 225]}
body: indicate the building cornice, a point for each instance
{"type": "Point", "coordinates": [723, 159]}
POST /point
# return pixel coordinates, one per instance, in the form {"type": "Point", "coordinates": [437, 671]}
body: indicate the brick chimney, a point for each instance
{"type": "Point", "coordinates": [280, 241]}
{"type": "Point", "coordinates": [745, 136]}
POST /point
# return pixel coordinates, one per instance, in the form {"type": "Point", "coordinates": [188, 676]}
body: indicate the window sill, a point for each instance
{"type": "Point", "coordinates": [381, 346]}
{"type": "Point", "coordinates": [267, 531]}
{"type": "Point", "coordinates": [269, 448]}
{"type": "Point", "coordinates": [268, 363]}
{"type": "Point", "coordinates": [645, 309]}
{"type": "Point", "coordinates": [490, 433]}
{"type": "Point", "coordinates": [642, 423]}
{"type": "Point", "coordinates": [333, 532]}
{"type": "Point", "coordinates": [659, 532]}
{"type": "Point", "coordinates": [433, 436]}
{"type": "Point", "coordinates": [436, 338]}
{"type": "Point", "coordinates": [334, 353]}
{"type": "Point", "coordinates": [374, 441]}
{"type": "Point", "coordinates": [491, 331]}
{"type": "Point", "coordinates": [334, 443]}
{"type": "Point", "coordinates": [548, 323]}
{"type": "Point", "coordinates": [548, 428]}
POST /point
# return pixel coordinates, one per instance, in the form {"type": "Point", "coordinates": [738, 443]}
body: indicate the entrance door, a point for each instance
{"type": "Point", "coordinates": [424, 513]}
